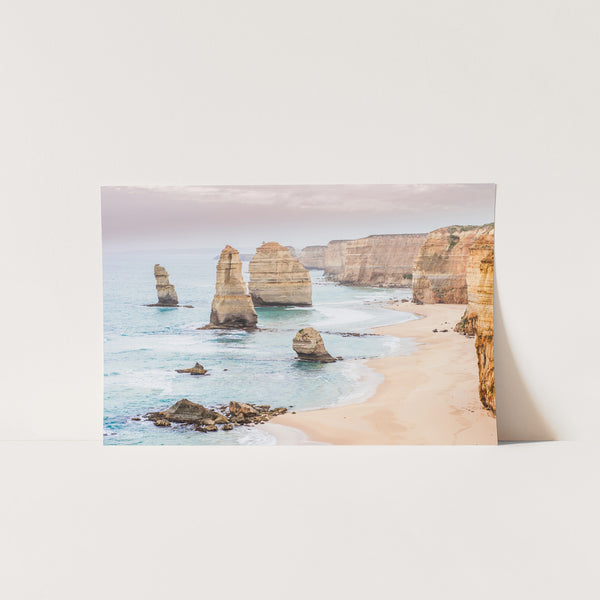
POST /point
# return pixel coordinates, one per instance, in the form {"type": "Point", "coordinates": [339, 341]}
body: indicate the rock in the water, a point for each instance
{"type": "Point", "coordinates": [232, 306]}
{"type": "Point", "coordinates": [278, 279]}
{"type": "Point", "coordinates": [308, 345]}
{"type": "Point", "coordinates": [240, 408]}
{"type": "Point", "coordinates": [186, 411]}
{"type": "Point", "coordinates": [206, 420]}
{"type": "Point", "coordinates": [197, 369]}
{"type": "Point", "coordinates": [166, 292]}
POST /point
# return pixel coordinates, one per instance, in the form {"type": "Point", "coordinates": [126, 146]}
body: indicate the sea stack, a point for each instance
{"type": "Point", "coordinates": [166, 292]}
{"type": "Point", "coordinates": [278, 279]}
{"type": "Point", "coordinates": [308, 345]}
{"type": "Point", "coordinates": [232, 306]}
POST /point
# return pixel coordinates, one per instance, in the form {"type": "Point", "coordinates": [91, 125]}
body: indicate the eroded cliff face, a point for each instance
{"type": "Point", "coordinates": [278, 279]}
{"type": "Point", "coordinates": [479, 316]}
{"type": "Point", "coordinates": [313, 257]}
{"type": "Point", "coordinates": [335, 258]}
{"type": "Point", "coordinates": [440, 270]}
{"type": "Point", "coordinates": [232, 306]}
{"type": "Point", "coordinates": [165, 291]}
{"type": "Point", "coordinates": [381, 260]}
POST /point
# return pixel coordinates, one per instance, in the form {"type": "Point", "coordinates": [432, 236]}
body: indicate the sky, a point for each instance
{"type": "Point", "coordinates": [145, 218]}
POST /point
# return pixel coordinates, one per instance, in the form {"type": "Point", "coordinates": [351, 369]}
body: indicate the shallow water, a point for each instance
{"type": "Point", "coordinates": [144, 345]}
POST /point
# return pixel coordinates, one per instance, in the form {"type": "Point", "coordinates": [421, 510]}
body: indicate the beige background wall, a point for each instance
{"type": "Point", "coordinates": [105, 93]}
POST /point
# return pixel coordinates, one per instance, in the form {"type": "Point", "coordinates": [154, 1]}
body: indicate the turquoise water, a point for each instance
{"type": "Point", "coordinates": [144, 345]}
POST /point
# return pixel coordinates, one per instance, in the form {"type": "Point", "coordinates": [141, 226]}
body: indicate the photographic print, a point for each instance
{"type": "Point", "coordinates": [299, 314]}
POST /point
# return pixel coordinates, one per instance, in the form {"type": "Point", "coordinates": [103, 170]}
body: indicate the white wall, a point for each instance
{"type": "Point", "coordinates": [123, 92]}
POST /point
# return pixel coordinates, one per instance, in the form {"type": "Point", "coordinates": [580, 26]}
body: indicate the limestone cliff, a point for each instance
{"type": "Point", "coordinates": [278, 279]}
{"type": "Point", "coordinates": [335, 258]}
{"type": "Point", "coordinates": [232, 306]}
{"type": "Point", "coordinates": [440, 270]}
{"type": "Point", "coordinates": [381, 260]}
{"type": "Point", "coordinates": [313, 257]}
{"type": "Point", "coordinates": [479, 316]}
{"type": "Point", "coordinates": [166, 292]}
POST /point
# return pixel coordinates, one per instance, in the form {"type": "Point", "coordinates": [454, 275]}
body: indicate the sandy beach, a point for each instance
{"type": "Point", "coordinates": [429, 397]}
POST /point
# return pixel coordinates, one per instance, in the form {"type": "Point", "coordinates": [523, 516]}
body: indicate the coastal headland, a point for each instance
{"type": "Point", "coordinates": [428, 397]}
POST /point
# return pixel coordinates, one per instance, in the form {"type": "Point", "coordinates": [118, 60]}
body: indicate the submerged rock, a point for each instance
{"type": "Point", "coordinates": [166, 292]}
{"type": "Point", "coordinates": [232, 306]}
{"type": "Point", "coordinates": [308, 345]}
{"type": "Point", "coordinates": [278, 279]}
{"type": "Point", "coordinates": [197, 369]}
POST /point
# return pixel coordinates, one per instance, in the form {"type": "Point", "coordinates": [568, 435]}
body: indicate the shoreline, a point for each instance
{"type": "Point", "coordinates": [428, 397]}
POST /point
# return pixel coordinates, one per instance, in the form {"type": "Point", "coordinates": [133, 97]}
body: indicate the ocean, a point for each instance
{"type": "Point", "coordinates": [144, 345]}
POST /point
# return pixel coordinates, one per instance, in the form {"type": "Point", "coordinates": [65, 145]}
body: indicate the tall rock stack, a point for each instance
{"type": "Point", "coordinates": [166, 292]}
{"type": "Point", "coordinates": [479, 316]}
{"type": "Point", "coordinates": [381, 260]}
{"type": "Point", "coordinates": [313, 257]}
{"type": "Point", "coordinates": [440, 271]}
{"type": "Point", "coordinates": [232, 306]}
{"type": "Point", "coordinates": [278, 279]}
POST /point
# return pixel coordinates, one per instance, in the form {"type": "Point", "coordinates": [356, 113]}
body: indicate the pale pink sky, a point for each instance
{"type": "Point", "coordinates": [297, 215]}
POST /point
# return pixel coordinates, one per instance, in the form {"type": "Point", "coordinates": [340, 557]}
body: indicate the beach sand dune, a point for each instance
{"type": "Point", "coordinates": [428, 397]}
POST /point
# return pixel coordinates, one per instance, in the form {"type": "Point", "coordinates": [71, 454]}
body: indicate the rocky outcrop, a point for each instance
{"type": "Point", "coordinates": [440, 271]}
{"type": "Point", "coordinates": [308, 345]}
{"type": "Point", "coordinates": [335, 258]}
{"type": "Point", "coordinates": [313, 257]}
{"type": "Point", "coordinates": [232, 306]}
{"type": "Point", "coordinates": [278, 279]}
{"type": "Point", "coordinates": [166, 292]}
{"type": "Point", "coordinates": [206, 420]}
{"type": "Point", "coordinates": [479, 316]}
{"type": "Point", "coordinates": [185, 411]}
{"type": "Point", "coordinates": [380, 260]}
{"type": "Point", "coordinates": [197, 369]}
{"type": "Point", "coordinates": [292, 251]}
